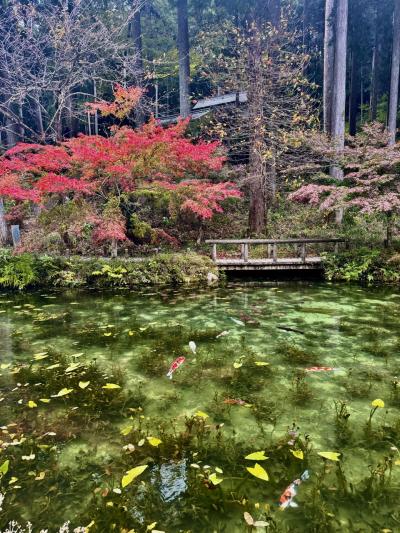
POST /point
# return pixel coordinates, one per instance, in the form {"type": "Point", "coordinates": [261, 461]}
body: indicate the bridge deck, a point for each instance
{"type": "Point", "coordinates": [287, 263]}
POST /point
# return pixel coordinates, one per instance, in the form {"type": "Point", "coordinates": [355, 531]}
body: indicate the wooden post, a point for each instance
{"type": "Point", "coordinates": [303, 252]}
{"type": "Point", "coordinates": [274, 252]}
{"type": "Point", "coordinates": [16, 235]}
{"type": "Point", "coordinates": [269, 251]}
{"type": "Point", "coordinates": [246, 253]}
{"type": "Point", "coordinates": [336, 247]}
{"type": "Point", "coordinates": [242, 252]}
{"type": "Point", "coordinates": [214, 252]}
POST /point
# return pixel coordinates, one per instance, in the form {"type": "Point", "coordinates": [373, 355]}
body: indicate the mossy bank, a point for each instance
{"type": "Point", "coordinates": [29, 271]}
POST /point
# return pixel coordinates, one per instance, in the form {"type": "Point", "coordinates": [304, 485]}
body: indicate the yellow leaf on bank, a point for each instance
{"type": "Point", "coordinates": [62, 392]}
{"type": "Point", "coordinates": [83, 384]}
{"type": "Point", "coordinates": [256, 456]}
{"type": "Point", "coordinates": [259, 472]}
{"type": "Point", "coordinates": [215, 480]}
{"type": "Point", "coordinates": [153, 441]}
{"type": "Point", "coordinates": [111, 386]}
{"type": "Point", "coordinates": [298, 454]}
{"type": "Point", "coordinates": [132, 474]}
{"type": "Point", "coordinates": [378, 403]}
{"type": "Point", "coordinates": [332, 456]}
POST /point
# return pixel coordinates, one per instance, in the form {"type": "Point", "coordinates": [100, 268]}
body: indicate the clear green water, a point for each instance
{"type": "Point", "coordinates": [69, 454]}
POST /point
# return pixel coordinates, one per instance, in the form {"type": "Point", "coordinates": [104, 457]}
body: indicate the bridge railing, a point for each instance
{"type": "Point", "coordinates": [272, 246]}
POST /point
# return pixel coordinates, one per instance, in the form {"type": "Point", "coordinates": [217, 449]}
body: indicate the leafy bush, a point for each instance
{"type": "Point", "coordinates": [362, 265]}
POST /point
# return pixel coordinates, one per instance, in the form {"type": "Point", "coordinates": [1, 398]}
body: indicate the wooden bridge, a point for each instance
{"type": "Point", "coordinates": [298, 254]}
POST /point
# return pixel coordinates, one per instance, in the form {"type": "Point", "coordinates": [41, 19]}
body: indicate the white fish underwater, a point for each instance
{"type": "Point", "coordinates": [192, 346]}
{"type": "Point", "coordinates": [238, 322]}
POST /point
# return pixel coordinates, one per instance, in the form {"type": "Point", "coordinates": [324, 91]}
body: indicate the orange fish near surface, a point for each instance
{"type": "Point", "coordinates": [234, 401]}
{"type": "Point", "coordinates": [320, 369]}
{"type": "Point", "coordinates": [175, 365]}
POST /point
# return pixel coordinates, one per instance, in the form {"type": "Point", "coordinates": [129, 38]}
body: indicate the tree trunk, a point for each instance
{"type": "Point", "coordinates": [3, 225]}
{"type": "Point", "coordinates": [354, 93]}
{"type": "Point", "coordinates": [394, 76]}
{"type": "Point", "coordinates": [375, 67]}
{"type": "Point", "coordinates": [139, 72]}
{"type": "Point", "coordinates": [257, 172]}
{"type": "Point", "coordinates": [38, 116]}
{"type": "Point", "coordinates": [329, 62]}
{"type": "Point", "coordinates": [339, 83]}
{"type": "Point", "coordinates": [274, 12]}
{"type": "Point", "coordinates": [184, 58]}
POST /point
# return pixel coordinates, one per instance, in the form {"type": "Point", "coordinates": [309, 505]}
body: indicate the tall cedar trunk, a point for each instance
{"type": "Point", "coordinates": [274, 12]}
{"type": "Point", "coordinates": [375, 66]}
{"type": "Point", "coordinates": [3, 225]}
{"type": "Point", "coordinates": [138, 51]}
{"type": "Point", "coordinates": [354, 92]}
{"type": "Point", "coordinates": [37, 110]}
{"type": "Point", "coordinates": [184, 58]}
{"type": "Point", "coordinates": [339, 82]}
{"type": "Point", "coordinates": [394, 77]}
{"type": "Point", "coordinates": [329, 62]}
{"type": "Point", "coordinates": [257, 212]}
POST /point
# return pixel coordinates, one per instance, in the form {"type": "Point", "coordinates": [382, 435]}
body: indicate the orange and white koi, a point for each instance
{"type": "Point", "coordinates": [175, 365]}
{"type": "Point", "coordinates": [286, 499]}
{"type": "Point", "coordinates": [320, 369]}
{"type": "Point", "coordinates": [234, 401]}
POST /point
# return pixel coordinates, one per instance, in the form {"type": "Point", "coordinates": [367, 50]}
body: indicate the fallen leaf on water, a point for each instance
{"type": "Point", "coordinates": [215, 480]}
{"type": "Point", "coordinates": [201, 414]}
{"type": "Point", "coordinates": [255, 523]}
{"type": "Point", "coordinates": [258, 471]}
{"type": "Point", "coordinates": [298, 454]}
{"type": "Point", "coordinates": [111, 386]}
{"type": "Point", "coordinates": [83, 384]}
{"type": "Point", "coordinates": [57, 365]}
{"type": "Point", "coordinates": [126, 430]}
{"type": "Point", "coordinates": [262, 363]}
{"type": "Point", "coordinates": [257, 456]}
{"type": "Point", "coordinates": [397, 462]}
{"type": "Point", "coordinates": [150, 527]}
{"type": "Point", "coordinates": [40, 476]}
{"type": "Point", "coordinates": [4, 467]}
{"type": "Point", "coordinates": [332, 456]}
{"type": "Point", "coordinates": [153, 441]}
{"type": "Point", "coordinates": [28, 457]}
{"type": "Point", "coordinates": [141, 442]}
{"type": "Point", "coordinates": [72, 367]}
{"type": "Point", "coordinates": [132, 474]}
{"type": "Point", "coordinates": [62, 392]}
{"type": "Point", "coordinates": [107, 334]}
{"type": "Point", "coordinates": [44, 400]}
{"type": "Point", "coordinates": [236, 364]}
{"type": "Point", "coordinates": [40, 356]}
{"type": "Point", "coordinates": [32, 404]}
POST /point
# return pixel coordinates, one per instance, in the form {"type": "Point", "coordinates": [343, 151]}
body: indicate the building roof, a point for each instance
{"type": "Point", "coordinates": [174, 118]}
{"type": "Point", "coordinates": [222, 99]}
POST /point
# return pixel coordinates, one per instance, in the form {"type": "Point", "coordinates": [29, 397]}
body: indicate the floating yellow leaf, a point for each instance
{"type": "Point", "coordinates": [40, 356]}
{"type": "Point", "coordinates": [132, 474]}
{"type": "Point", "coordinates": [141, 442]}
{"type": "Point", "coordinates": [40, 476]}
{"type": "Point", "coordinates": [72, 367]}
{"type": "Point", "coordinates": [4, 467]}
{"type": "Point", "coordinates": [62, 392]}
{"type": "Point", "coordinates": [153, 441]}
{"type": "Point", "coordinates": [215, 480]}
{"type": "Point", "coordinates": [111, 386]}
{"type": "Point", "coordinates": [130, 333]}
{"type": "Point", "coordinates": [83, 384]}
{"type": "Point", "coordinates": [258, 471]}
{"type": "Point", "coordinates": [107, 334]}
{"type": "Point", "coordinates": [150, 527]}
{"type": "Point", "coordinates": [57, 365]}
{"type": "Point", "coordinates": [378, 403]}
{"type": "Point", "coordinates": [13, 480]}
{"type": "Point", "coordinates": [32, 404]}
{"type": "Point", "coordinates": [44, 400]}
{"type": "Point", "coordinates": [332, 456]}
{"type": "Point", "coordinates": [236, 364]}
{"type": "Point", "coordinates": [262, 363]}
{"type": "Point", "coordinates": [90, 525]}
{"type": "Point", "coordinates": [298, 454]}
{"type": "Point", "coordinates": [257, 456]}
{"type": "Point", "coordinates": [201, 414]}
{"type": "Point", "coordinates": [3, 366]}
{"type": "Point", "coordinates": [397, 462]}
{"type": "Point", "coordinates": [217, 469]}
{"type": "Point", "coordinates": [126, 430]}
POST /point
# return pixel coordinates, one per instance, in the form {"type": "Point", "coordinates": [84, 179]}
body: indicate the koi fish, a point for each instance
{"type": "Point", "coordinates": [286, 499]}
{"type": "Point", "coordinates": [234, 401]}
{"type": "Point", "coordinates": [192, 346]}
{"type": "Point", "coordinates": [222, 334]}
{"type": "Point", "coordinates": [175, 365]}
{"type": "Point", "coordinates": [238, 322]}
{"type": "Point", "coordinates": [320, 369]}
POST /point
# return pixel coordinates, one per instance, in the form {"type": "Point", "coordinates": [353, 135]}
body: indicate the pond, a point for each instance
{"type": "Point", "coordinates": [280, 382]}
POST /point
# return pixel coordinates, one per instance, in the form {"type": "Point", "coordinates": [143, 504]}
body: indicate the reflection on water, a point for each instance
{"type": "Point", "coordinates": [269, 356]}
